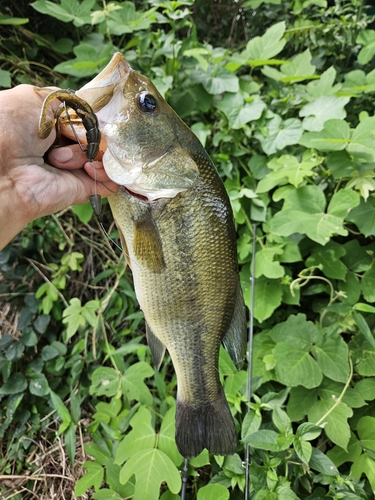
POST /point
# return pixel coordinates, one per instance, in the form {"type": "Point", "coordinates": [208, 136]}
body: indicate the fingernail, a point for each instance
{"type": "Point", "coordinates": [62, 155]}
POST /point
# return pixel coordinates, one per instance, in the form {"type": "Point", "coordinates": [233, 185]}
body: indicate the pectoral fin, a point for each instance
{"type": "Point", "coordinates": [235, 339]}
{"type": "Point", "coordinates": [147, 243]}
{"type": "Point", "coordinates": [157, 347]}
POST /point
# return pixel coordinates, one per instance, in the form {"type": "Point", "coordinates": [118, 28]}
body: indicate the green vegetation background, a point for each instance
{"type": "Point", "coordinates": [281, 93]}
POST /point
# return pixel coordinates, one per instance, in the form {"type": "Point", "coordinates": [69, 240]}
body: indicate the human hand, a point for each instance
{"type": "Point", "coordinates": [30, 187]}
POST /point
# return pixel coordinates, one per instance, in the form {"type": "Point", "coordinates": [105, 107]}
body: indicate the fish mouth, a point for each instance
{"type": "Point", "coordinates": [135, 194]}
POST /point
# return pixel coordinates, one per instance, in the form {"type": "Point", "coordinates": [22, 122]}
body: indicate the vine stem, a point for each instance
{"type": "Point", "coordinates": [338, 400]}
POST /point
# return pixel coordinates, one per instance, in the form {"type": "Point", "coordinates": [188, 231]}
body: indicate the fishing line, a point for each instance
{"type": "Point", "coordinates": [250, 364]}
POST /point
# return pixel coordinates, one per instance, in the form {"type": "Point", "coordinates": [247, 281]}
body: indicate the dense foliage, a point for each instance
{"type": "Point", "coordinates": [281, 94]}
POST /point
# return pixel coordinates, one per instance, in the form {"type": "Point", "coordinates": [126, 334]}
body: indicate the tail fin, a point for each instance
{"type": "Point", "coordinates": [205, 425]}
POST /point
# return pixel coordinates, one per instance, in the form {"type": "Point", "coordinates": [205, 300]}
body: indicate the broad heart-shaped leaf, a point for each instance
{"type": "Point", "coordinates": [166, 441]}
{"type": "Point", "coordinates": [105, 382]}
{"type": "Point", "coordinates": [363, 356]}
{"type": "Point", "coordinates": [151, 468]}
{"type": "Point", "coordinates": [303, 213]}
{"type": "Point", "coordinates": [324, 108]}
{"type": "Point", "coordinates": [216, 81]}
{"type": "Point", "coordinates": [268, 45]}
{"type": "Point", "coordinates": [280, 134]}
{"type": "Point", "coordinates": [132, 383]}
{"type": "Point", "coordinates": [93, 477]}
{"type": "Point", "coordinates": [366, 432]}
{"type": "Point", "coordinates": [362, 144]}
{"type": "Point", "coordinates": [328, 259]}
{"type": "Point", "coordinates": [367, 39]}
{"type": "Point", "coordinates": [363, 216]}
{"type": "Point", "coordinates": [68, 10]}
{"type": "Point", "coordinates": [364, 464]}
{"type": "Point", "coordinates": [331, 355]}
{"type": "Point", "coordinates": [88, 61]}
{"type": "Point", "coordinates": [343, 202]}
{"type": "Point", "coordinates": [295, 331]}
{"type": "Point", "coordinates": [141, 437]}
{"type": "Point", "coordinates": [265, 265]}
{"type": "Point", "coordinates": [324, 86]}
{"type": "Point", "coordinates": [267, 297]}
{"type": "Point", "coordinates": [357, 82]}
{"type": "Point", "coordinates": [238, 111]}
{"type": "Point", "coordinates": [285, 169]}
{"type": "Point", "coordinates": [336, 419]}
{"type": "Point", "coordinates": [213, 492]}
{"type": "Point", "coordinates": [335, 136]}
{"type": "Point", "coordinates": [299, 68]}
{"type": "Point", "coordinates": [127, 19]}
{"type": "Point", "coordinates": [295, 366]}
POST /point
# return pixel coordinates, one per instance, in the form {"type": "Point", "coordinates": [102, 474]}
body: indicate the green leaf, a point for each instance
{"type": "Point", "coordinates": [308, 431]}
{"type": "Point", "coordinates": [38, 385]}
{"type": "Point", "coordinates": [105, 382]}
{"type": "Point", "coordinates": [83, 212]}
{"type": "Point", "coordinates": [320, 462]}
{"type": "Point", "coordinates": [343, 202]}
{"type": "Point", "coordinates": [301, 368]}
{"type": "Point", "coordinates": [132, 383]}
{"type": "Point", "coordinates": [60, 408]}
{"type": "Point", "coordinates": [70, 441]}
{"type": "Point", "coordinates": [324, 86]}
{"type": "Point", "coordinates": [166, 441]}
{"type": "Point", "coordinates": [303, 213]}
{"type": "Point", "coordinates": [335, 418]}
{"type": "Point", "coordinates": [14, 21]}
{"type": "Point", "coordinates": [328, 259]}
{"type": "Point", "coordinates": [364, 182]}
{"type": "Point", "coordinates": [363, 216]}
{"type": "Point", "coordinates": [340, 456]}
{"type": "Point", "coordinates": [303, 449]}
{"type": "Point", "coordinates": [285, 169]}
{"type": "Point", "coordinates": [367, 39]}
{"type": "Point", "coordinates": [217, 81]}
{"type": "Point", "coordinates": [5, 79]}
{"type": "Point", "coordinates": [15, 383]}
{"type": "Point", "coordinates": [363, 356]}
{"type": "Point", "coordinates": [151, 468]}
{"type": "Point", "coordinates": [93, 477]}
{"type": "Point", "coordinates": [335, 136]}
{"type": "Point", "coordinates": [364, 328]}
{"type": "Point", "coordinates": [280, 134]}
{"type": "Point", "coordinates": [366, 388]}
{"type": "Point", "coordinates": [322, 109]}
{"type": "Point", "coordinates": [366, 432]}
{"type": "Point", "coordinates": [368, 284]}
{"type": "Point", "coordinates": [295, 331]}
{"type": "Point", "coordinates": [250, 424]}
{"type": "Point", "coordinates": [106, 494]}
{"type": "Point", "coordinates": [332, 356]}
{"type": "Point", "coordinates": [240, 112]}
{"type": "Point", "coordinates": [268, 45]}
{"type": "Point", "coordinates": [263, 440]}
{"type": "Point", "coordinates": [362, 144]}
{"type": "Point", "coordinates": [265, 265]}
{"type": "Point", "coordinates": [300, 401]}
{"type": "Point", "coordinates": [127, 20]}
{"type": "Point", "coordinates": [68, 10]}
{"type": "Point", "coordinates": [141, 437]}
{"type": "Point", "coordinates": [281, 421]}
{"type": "Point", "coordinates": [267, 297]}
{"type": "Point", "coordinates": [364, 464]}
{"type": "Point", "coordinates": [213, 492]}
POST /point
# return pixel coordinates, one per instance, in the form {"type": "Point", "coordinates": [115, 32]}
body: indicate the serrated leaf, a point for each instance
{"type": "Point", "coordinates": [268, 45]}
{"type": "Point", "coordinates": [93, 477]}
{"type": "Point", "coordinates": [335, 417]}
{"type": "Point", "coordinates": [151, 468]}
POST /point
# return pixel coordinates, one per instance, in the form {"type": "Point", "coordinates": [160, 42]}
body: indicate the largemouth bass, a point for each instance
{"type": "Point", "coordinates": [177, 231]}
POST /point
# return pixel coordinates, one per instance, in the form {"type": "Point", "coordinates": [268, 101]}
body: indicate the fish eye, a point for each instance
{"type": "Point", "coordinates": [146, 102]}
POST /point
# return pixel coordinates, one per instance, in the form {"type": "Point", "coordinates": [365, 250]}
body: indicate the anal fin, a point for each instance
{"type": "Point", "coordinates": [157, 348]}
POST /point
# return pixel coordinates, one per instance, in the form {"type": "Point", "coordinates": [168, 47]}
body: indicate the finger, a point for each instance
{"type": "Point", "coordinates": [69, 157]}
{"type": "Point", "coordinates": [96, 171]}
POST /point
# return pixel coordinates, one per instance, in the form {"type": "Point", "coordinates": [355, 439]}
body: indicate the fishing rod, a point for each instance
{"type": "Point", "coordinates": [250, 363]}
